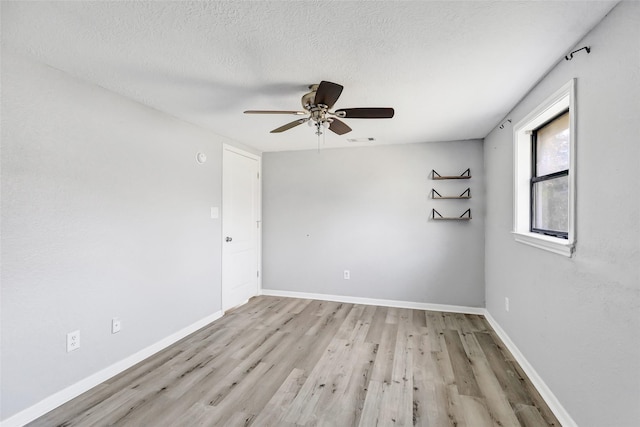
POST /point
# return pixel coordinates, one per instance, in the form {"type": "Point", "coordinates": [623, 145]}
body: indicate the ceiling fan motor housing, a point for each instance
{"type": "Point", "coordinates": [308, 98]}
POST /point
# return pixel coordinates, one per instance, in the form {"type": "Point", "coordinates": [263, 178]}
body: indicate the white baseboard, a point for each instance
{"type": "Point", "coordinates": [374, 301]}
{"type": "Point", "coordinates": [65, 395]}
{"type": "Point", "coordinates": [551, 400]}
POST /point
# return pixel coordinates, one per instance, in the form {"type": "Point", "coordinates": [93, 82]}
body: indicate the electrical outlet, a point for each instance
{"type": "Point", "coordinates": [73, 341]}
{"type": "Point", "coordinates": [347, 275]}
{"type": "Point", "coordinates": [115, 325]}
{"type": "Point", "coordinates": [506, 304]}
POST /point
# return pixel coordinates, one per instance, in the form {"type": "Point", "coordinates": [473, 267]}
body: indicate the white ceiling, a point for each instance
{"type": "Point", "coordinates": [451, 70]}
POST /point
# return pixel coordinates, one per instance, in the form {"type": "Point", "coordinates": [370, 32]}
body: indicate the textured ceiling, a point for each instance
{"type": "Point", "coordinates": [451, 70]}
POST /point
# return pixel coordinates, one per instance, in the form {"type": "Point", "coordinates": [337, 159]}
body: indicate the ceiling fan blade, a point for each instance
{"type": "Point", "coordinates": [339, 127]}
{"type": "Point", "coordinates": [290, 125]}
{"type": "Point", "coordinates": [365, 113]}
{"type": "Point", "coordinates": [298, 113]}
{"type": "Point", "coordinates": [327, 93]}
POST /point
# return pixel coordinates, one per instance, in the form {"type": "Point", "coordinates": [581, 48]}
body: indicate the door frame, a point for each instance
{"type": "Point", "coordinates": [230, 148]}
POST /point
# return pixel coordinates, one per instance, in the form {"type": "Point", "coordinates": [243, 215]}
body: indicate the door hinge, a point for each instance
{"type": "Point", "coordinates": [257, 273]}
{"type": "Point", "coordinates": [258, 175]}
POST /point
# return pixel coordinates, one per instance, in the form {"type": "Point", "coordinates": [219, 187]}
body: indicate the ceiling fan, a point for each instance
{"type": "Point", "coordinates": [317, 104]}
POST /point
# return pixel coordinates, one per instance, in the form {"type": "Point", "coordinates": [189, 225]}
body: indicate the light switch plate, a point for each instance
{"type": "Point", "coordinates": [115, 325]}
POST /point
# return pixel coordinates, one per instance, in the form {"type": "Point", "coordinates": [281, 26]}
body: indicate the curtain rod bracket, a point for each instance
{"type": "Point", "coordinates": [570, 56]}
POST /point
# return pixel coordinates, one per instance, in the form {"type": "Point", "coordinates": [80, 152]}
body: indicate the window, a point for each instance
{"type": "Point", "coordinates": [544, 199]}
{"type": "Point", "coordinates": [550, 181]}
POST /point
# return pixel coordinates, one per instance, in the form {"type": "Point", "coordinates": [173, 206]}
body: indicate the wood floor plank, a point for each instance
{"type": "Point", "coordinates": [76, 407]}
{"type": "Point", "coordinates": [510, 381]}
{"type": "Point", "coordinates": [383, 365]}
{"type": "Point", "coordinates": [324, 379]}
{"type": "Point", "coordinates": [351, 324]}
{"type": "Point", "coordinates": [290, 362]}
{"type": "Point", "coordinates": [461, 365]}
{"type": "Point", "coordinates": [332, 313]}
{"type": "Point", "coordinates": [425, 410]}
{"type": "Point", "coordinates": [479, 323]}
{"type": "Point", "coordinates": [529, 416]}
{"type": "Point", "coordinates": [392, 315]}
{"type": "Point", "coordinates": [342, 403]}
{"type": "Point", "coordinates": [255, 400]}
{"type": "Point", "coordinates": [371, 407]}
{"type": "Point", "coordinates": [396, 405]}
{"type": "Point", "coordinates": [303, 320]}
{"type": "Point", "coordinates": [455, 409]}
{"type": "Point", "coordinates": [471, 345]}
{"type": "Point", "coordinates": [475, 411]}
{"type": "Point", "coordinates": [114, 407]}
{"type": "Point", "coordinates": [497, 403]}
{"type": "Point", "coordinates": [234, 396]}
{"type": "Point", "coordinates": [435, 328]}
{"type": "Point", "coordinates": [351, 406]}
{"type": "Point", "coordinates": [538, 401]}
{"type": "Point", "coordinates": [450, 322]}
{"type": "Point", "coordinates": [374, 334]}
{"type": "Point", "coordinates": [245, 369]}
{"type": "Point", "coordinates": [281, 400]}
{"type": "Point", "coordinates": [419, 320]}
{"type": "Point", "coordinates": [239, 419]}
{"type": "Point", "coordinates": [464, 325]}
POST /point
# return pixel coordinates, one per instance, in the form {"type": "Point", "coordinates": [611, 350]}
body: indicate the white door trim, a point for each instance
{"type": "Point", "coordinates": [230, 148]}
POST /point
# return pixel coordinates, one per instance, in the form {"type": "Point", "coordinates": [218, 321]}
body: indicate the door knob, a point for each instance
{"type": "Point", "coordinates": [228, 239]}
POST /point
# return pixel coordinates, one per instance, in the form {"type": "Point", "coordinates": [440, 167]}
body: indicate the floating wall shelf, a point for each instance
{"type": "Point", "coordinates": [466, 216]}
{"type": "Point", "coordinates": [465, 175]}
{"type": "Point", "coordinates": [466, 194]}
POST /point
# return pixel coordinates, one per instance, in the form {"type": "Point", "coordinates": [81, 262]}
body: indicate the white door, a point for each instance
{"type": "Point", "coordinates": [240, 226]}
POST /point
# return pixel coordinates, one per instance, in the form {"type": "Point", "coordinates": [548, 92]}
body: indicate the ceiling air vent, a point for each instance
{"type": "Point", "coordinates": [361, 139]}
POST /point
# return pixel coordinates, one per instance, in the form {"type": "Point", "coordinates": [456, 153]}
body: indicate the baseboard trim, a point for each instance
{"type": "Point", "coordinates": [551, 400]}
{"type": "Point", "coordinates": [374, 301]}
{"type": "Point", "coordinates": [39, 409]}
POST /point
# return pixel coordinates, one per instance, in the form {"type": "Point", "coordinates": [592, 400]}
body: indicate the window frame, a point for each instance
{"type": "Point", "coordinates": [558, 103]}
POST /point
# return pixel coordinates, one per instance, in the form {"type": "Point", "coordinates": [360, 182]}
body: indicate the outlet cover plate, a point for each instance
{"type": "Point", "coordinates": [73, 341]}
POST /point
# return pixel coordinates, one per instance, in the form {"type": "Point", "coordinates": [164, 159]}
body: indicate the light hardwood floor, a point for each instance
{"type": "Point", "coordinates": [293, 362]}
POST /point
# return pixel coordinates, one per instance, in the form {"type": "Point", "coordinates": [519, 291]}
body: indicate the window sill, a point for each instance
{"type": "Point", "coordinates": [548, 243]}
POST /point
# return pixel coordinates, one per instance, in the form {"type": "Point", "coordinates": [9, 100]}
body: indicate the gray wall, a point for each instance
{"type": "Point", "coordinates": [578, 320]}
{"type": "Point", "coordinates": [105, 213]}
{"type": "Point", "coordinates": [366, 210]}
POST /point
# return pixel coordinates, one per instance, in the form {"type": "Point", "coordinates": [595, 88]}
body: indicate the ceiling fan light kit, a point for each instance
{"type": "Point", "coordinates": [317, 104]}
